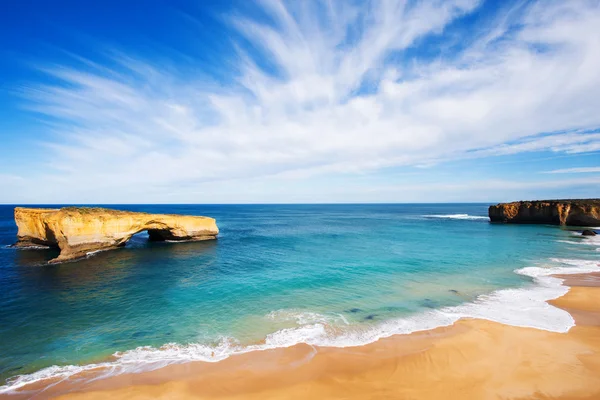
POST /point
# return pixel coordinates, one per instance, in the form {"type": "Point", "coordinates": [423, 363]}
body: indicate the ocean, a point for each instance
{"type": "Point", "coordinates": [326, 275]}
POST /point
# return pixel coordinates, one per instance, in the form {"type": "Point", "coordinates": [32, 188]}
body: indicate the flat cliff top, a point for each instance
{"type": "Point", "coordinates": [577, 202]}
{"type": "Point", "coordinates": [94, 211]}
{"type": "Point", "coordinates": [36, 209]}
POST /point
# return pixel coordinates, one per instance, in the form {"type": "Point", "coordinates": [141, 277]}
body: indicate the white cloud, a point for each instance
{"type": "Point", "coordinates": [582, 170]}
{"type": "Point", "coordinates": [136, 128]}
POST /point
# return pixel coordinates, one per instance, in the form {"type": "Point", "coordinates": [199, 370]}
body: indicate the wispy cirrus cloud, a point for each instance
{"type": "Point", "coordinates": [580, 170]}
{"type": "Point", "coordinates": [331, 87]}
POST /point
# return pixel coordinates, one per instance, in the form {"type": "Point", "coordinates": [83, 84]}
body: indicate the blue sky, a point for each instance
{"type": "Point", "coordinates": [311, 101]}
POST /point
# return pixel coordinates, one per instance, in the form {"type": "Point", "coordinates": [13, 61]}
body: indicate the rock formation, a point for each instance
{"type": "Point", "coordinates": [588, 232]}
{"type": "Point", "coordinates": [78, 231]}
{"type": "Point", "coordinates": [555, 212]}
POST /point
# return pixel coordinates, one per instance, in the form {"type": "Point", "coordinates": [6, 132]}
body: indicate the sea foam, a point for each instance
{"type": "Point", "coordinates": [522, 307]}
{"type": "Point", "coordinates": [458, 216]}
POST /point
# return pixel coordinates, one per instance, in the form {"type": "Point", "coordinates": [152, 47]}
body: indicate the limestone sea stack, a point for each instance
{"type": "Point", "coordinates": [78, 231]}
{"type": "Point", "coordinates": [555, 212]}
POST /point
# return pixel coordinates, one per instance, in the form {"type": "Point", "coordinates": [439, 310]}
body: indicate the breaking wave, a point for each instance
{"type": "Point", "coordinates": [458, 216]}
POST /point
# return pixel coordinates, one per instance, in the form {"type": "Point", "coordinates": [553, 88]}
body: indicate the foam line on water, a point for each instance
{"type": "Point", "coordinates": [522, 307]}
{"type": "Point", "coordinates": [584, 240]}
{"type": "Point", "coordinates": [458, 216]}
{"type": "Point", "coordinates": [94, 252]}
{"type": "Point", "coordinates": [29, 247]}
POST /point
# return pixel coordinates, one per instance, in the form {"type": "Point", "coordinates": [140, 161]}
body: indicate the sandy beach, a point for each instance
{"type": "Point", "coordinates": [472, 359]}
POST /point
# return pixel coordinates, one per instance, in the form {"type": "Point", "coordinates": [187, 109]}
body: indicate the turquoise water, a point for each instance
{"type": "Point", "coordinates": [277, 275]}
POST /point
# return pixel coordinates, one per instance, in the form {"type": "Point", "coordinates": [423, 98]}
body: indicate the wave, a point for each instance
{"type": "Point", "coordinates": [522, 307]}
{"type": "Point", "coordinates": [29, 247]}
{"type": "Point", "coordinates": [458, 216]}
{"type": "Point", "coordinates": [302, 317]}
{"type": "Point", "coordinates": [578, 239]}
{"type": "Point", "coordinates": [94, 252]}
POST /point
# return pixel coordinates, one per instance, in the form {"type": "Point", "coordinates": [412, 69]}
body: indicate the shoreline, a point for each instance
{"type": "Point", "coordinates": [454, 357]}
{"type": "Point", "coordinates": [525, 307]}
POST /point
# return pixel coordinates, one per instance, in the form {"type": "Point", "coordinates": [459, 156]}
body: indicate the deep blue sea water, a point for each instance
{"type": "Point", "coordinates": [277, 275]}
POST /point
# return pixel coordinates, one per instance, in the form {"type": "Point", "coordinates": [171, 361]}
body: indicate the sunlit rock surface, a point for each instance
{"type": "Point", "coordinates": [556, 212]}
{"type": "Point", "coordinates": [78, 231]}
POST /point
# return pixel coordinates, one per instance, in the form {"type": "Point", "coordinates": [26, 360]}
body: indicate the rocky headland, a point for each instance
{"type": "Point", "coordinates": [555, 212]}
{"type": "Point", "coordinates": [77, 231]}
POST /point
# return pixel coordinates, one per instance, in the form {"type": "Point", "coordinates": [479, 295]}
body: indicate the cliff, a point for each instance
{"type": "Point", "coordinates": [80, 230]}
{"type": "Point", "coordinates": [555, 212]}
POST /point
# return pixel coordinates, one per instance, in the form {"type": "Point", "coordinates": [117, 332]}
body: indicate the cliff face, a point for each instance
{"type": "Point", "coordinates": [80, 230]}
{"type": "Point", "coordinates": [555, 212]}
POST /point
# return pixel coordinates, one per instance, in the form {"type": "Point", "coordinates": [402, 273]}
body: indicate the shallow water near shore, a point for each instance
{"type": "Point", "coordinates": [278, 275]}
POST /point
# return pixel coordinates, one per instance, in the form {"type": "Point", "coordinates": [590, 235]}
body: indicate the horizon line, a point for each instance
{"type": "Point", "coordinates": [265, 204]}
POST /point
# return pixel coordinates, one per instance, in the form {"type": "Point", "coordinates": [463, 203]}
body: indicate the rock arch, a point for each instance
{"type": "Point", "coordinates": [77, 231]}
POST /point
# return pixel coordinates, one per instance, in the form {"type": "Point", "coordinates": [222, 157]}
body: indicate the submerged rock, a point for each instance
{"type": "Point", "coordinates": [588, 232]}
{"type": "Point", "coordinates": [554, 212]}
{"type": "Point", "coordinates": [79, 231]}
{"type": "Point", "coordinates": [429, 303]}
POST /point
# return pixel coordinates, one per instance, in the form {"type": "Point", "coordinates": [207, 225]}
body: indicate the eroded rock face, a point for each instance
{"type": "Point", "coordinates": [80, 230]}
{"type": "Point", "coordinates": [555, 212]}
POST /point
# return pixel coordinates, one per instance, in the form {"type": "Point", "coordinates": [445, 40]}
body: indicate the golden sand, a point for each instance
{"type": "Point", "coordinates": [473, 359]}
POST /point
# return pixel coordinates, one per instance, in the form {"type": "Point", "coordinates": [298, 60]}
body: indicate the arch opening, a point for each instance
{"type": "Point", "coordinates": [160, 235]}
{"type": "Point", "coordinates": [143, 236]}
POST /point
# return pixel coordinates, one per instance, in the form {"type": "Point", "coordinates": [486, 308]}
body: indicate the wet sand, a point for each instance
{"type": "Point", "coordinates": [472, 359]}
